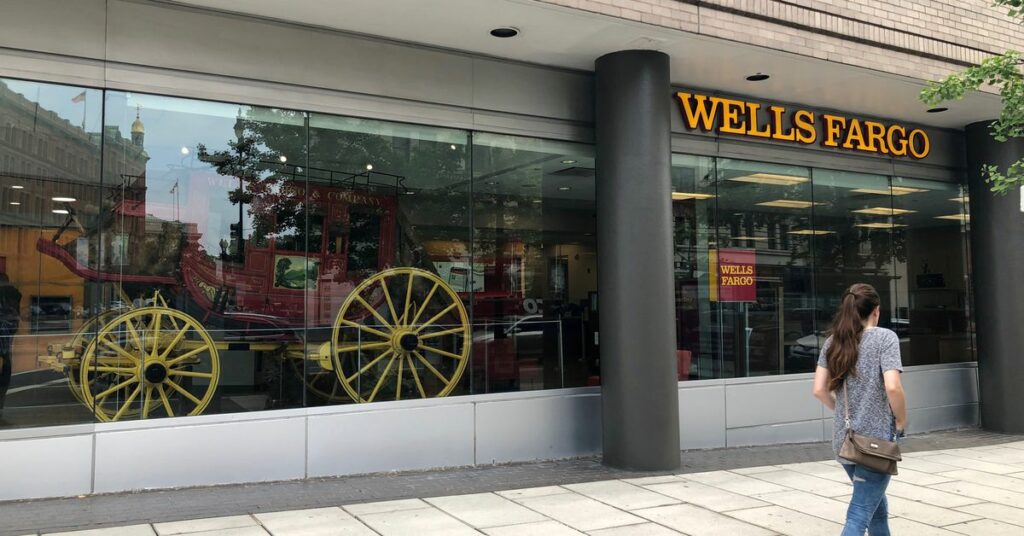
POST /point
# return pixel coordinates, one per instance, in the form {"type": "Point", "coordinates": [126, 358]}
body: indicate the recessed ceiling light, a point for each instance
{"type": "Point", "coordinates": [955, 217]}
{"type": "Point", "coordinates": [884, 211]}
{"type": "Point", "coordinates": [771, 178]}
{"type": "Point", "coordinates": [896, 190]}
{"type": "Point", "coordinates": [538, 201]}
{"type": "Point", "coordinates": [15, 203]}
{"type": "Point", "coordinates": [880, 225]}
{"type": "Point", "coordinates": [758, 77]}
{"type": "Point", "coordinates": [17, 187]}
{"type": "Point", "coordinates": [64, 199]}
{"type": "Point", "coordinates": [937, 109]}
{"type": "Point", "coordinates": [757, 238]}
{"type": "Point", "coordinates": [683, 196]}
{"type": "Point", "coordinates": [369, 167]}
{"type": "Point", "coordinates": [811, 232]}
{"type": "Point", "coordinates": [283, 158]}
{"type": "Point", "coordinates": [789, 203]}
{"type": "Point", "coordinates": [410, 192]}
{"type": "Point", "coordinates": [568, 161]}
{"type": "Point", "coordinates": [59, 211]}
{"type": "Point", "coordinates": [453, 146]}
{"type": "Point", "coordinates": [505, 32]}
{"type": "Point", "coordinates": [964, 199]}
{"type": "Point", "coordinates": [564, 188]}
{"type": "Point", "coordinates": [184, 150]}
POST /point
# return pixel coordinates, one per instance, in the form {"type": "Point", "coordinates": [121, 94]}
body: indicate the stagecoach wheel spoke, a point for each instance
{"type": "Point", "coordinates": [436, 334]}
{"type": "Point", "coordinates": [166, 402]}
{"type": "Point", "coordinates": [380, 381]}
{"type": "Point", "coordinates": [416, 376]}
{"type": "Point", "coordinates": [174, 343]}
{"type": "Point", "coordinates": [426, 302]}
{"type": "Point", "coordinates": [431, 367]}
{"type": "Point", "coordinates": [439, 351]}
{"type": "Point", "coordinates": [398, 380]}
{"type": "Point", "coordinates": [123, 350]}
{"type": "Point", "coordinates": [365, 328]}
{"type": "Point", "coordinates": [408, 299]}
{"type": "Point", "coordinates": [184, 392]}
{"type": "Point", "coordinates": [437, 317]}
{"type": "Point", "coordinates": [373, 311]}
{"type": "Point", "coordinates": [115, 388]}
{"type": "Point", "coordinates": [189, 373]}
{"type": "Point", "coordinates": [135, 335]}
{"type": "Point", "coordinates": [364, 346]}
{"type": "Point", "coordinates": [128, 402]}
{"type": "Point", "coordinates": [367, 366]}
{"type": "Point", "coordinates": [387, 297]}
{"type": "Point", "coordinates": [147, 399]}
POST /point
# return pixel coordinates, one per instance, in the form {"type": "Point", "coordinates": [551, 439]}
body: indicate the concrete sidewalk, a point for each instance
{"type": "Point", "coordinates": [975, 489]}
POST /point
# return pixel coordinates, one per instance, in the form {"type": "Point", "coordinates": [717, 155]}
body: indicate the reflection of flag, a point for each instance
{"type": "Point", "coordinates": [175, 188]}
{"type": "Point", "coordinates": [79, 98]}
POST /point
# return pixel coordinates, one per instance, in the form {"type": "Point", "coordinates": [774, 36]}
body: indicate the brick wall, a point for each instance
{"type": "Point", "coordinates": [920, 38]}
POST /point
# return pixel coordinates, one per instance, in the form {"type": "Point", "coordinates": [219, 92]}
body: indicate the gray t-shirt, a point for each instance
{"type": "Point", "coordinates": [870, 413]}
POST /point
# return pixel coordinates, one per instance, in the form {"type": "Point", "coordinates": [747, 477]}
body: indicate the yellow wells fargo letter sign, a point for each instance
{"type": "Point", "coordinates": [743, 118]}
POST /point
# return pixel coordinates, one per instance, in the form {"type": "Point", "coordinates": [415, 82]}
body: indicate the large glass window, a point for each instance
{"type": "Point", "coordinates": [698, 341]}
{"type": "Point", "coordinates": [763, 266]}
{"type": "Point", "coordinates": [49, 197]}
{"type": "Point", "coordinates": [764, 254]}
{"type": "Point", "coordinates": [932, 291]}
{"type": "Point", "coordinates": [535, 277]}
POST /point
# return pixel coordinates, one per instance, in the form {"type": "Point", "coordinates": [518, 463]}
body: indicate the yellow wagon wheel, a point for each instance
{"type": "Point", "coordinates": [155, 361]}
{"type": "Point", "coordinates": [401, 333]}
{"type": "Point", "coordinates": [76, 348]}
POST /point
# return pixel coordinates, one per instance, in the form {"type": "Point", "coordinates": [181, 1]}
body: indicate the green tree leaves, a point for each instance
{"type": "Point", "coordinates": [1002, 72]}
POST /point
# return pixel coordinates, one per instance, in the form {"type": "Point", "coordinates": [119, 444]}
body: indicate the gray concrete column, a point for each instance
{"type": "Point", "coordinates": [997, 253]}
{"type": "Point", "coordinates": [640, 399]}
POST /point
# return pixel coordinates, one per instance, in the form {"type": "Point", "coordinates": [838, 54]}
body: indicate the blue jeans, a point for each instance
{"type": "Point", "coordinates": [868, 508]}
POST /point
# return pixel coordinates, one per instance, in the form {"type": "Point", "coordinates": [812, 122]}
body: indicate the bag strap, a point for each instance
{"type": "Point", "coordinates": [846, 403]}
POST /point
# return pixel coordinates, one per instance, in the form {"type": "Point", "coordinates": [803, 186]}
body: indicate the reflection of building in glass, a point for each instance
{"type": "Point", "coordinates": [50, 184]}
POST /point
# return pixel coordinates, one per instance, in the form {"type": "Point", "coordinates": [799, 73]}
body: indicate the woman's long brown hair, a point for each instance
{"type": "Point", "coordinates": [858, 302]}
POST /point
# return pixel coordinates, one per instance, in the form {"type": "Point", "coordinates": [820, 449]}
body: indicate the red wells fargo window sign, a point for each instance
{"type": "Point", "coordinates": [733, 275]}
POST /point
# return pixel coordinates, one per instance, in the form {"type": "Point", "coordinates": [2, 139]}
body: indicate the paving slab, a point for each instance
{"type": "Point", "coordinates": [643, 529]}
{"type": "Point", "coordinates": [736, 483]}
{"type": "Point", "coordinates": [900, 526]}
{"type": "Point", "coordinates": [314, 522]}
{"type": "Point", "coordinates": [986, 527]}
{"type": "Point", "coordinates": [421, 521]}
{"type": "Point", "coordinates": [579, 512]}
{"type": "Point", "coordinates": [484, 510]}
{"type": "Point", "coordinates": [203, 525]}
{"type": "Point", "coordinates": [130, 530]}
{"type": "Point", "coordinates": [998, 512]}
{"type": "Point", "coordinates": [786, 521]}
{"type": "Point", "coordinates": [622, 495]}
{"type": "Point", "coordinates": [696, 521]}
{"type": "Point", "coordinates": [705, 496]}
{"type": "Point", "coordinates": [544, 528]}
{"type": "Point", "coordinates": [981, 493]}
{"type": "Point", "coordinates": [808, 503]}
{"type": "Point", "coordinates": [805, 482]}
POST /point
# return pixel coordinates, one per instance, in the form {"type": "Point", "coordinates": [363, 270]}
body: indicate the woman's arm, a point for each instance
{"type": "Point", "coordinates": [821, 392]}
{"type": "Point", "coordinates": [897, 401]}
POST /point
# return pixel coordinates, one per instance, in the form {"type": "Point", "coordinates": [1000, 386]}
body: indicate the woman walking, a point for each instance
{"type": "Point", "coordinates": [865, 360]}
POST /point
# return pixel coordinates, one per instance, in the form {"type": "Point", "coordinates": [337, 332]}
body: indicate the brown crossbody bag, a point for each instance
{"type": "Point", "coordinates": [876, 454]}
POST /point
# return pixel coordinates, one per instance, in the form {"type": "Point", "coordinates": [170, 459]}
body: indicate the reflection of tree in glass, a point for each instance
{"type": "Point", "coordinates": [253, 158]}
{"type": "Point", "coordinates": [281, 272]}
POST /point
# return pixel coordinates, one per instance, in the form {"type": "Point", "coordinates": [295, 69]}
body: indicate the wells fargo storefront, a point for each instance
{"type": "Point", "coordinates": [357, 281]}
